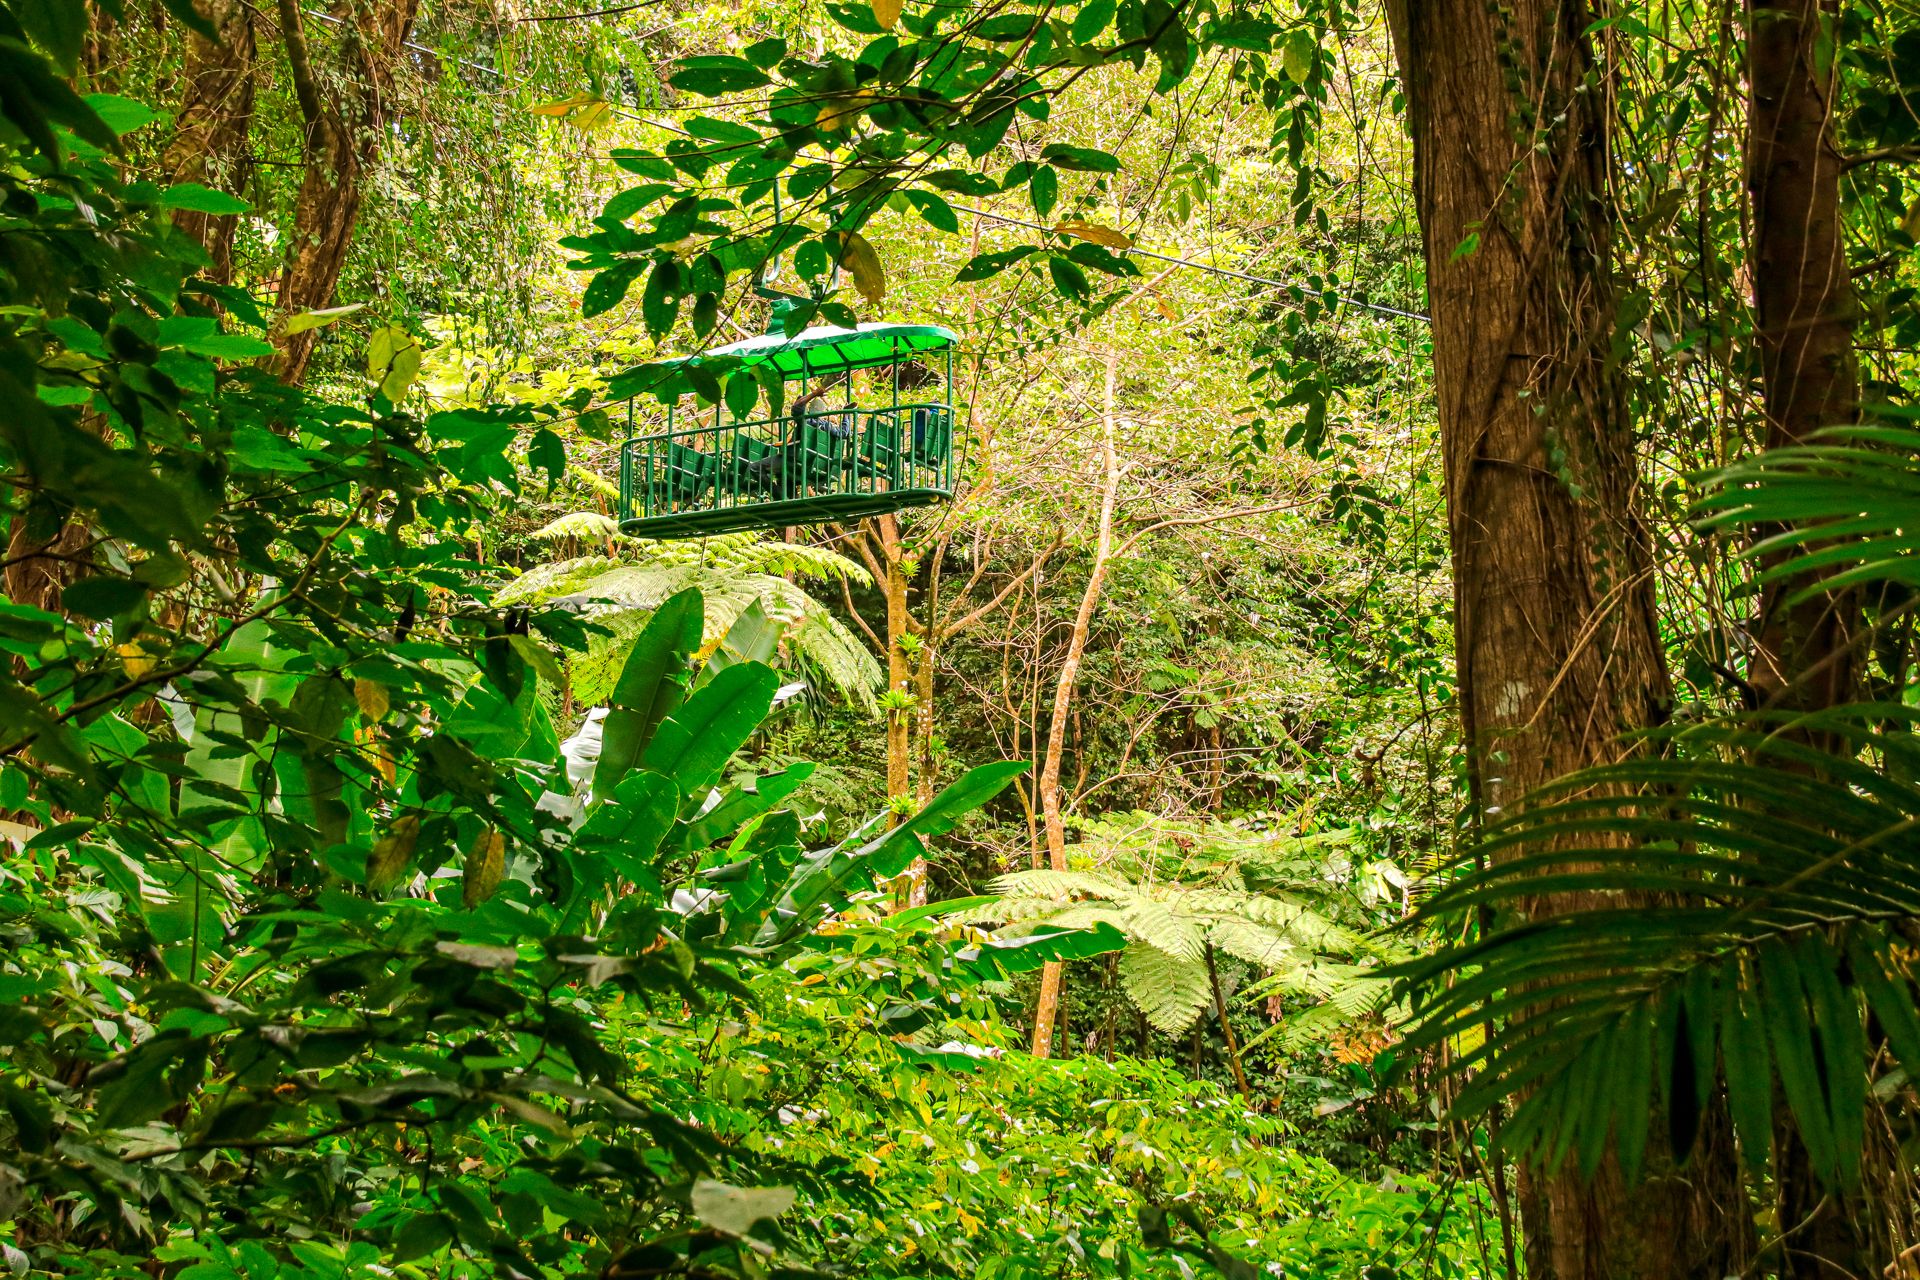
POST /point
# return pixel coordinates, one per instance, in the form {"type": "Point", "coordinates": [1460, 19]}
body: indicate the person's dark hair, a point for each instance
{"type": "Point", "coordinates": [909, 375]}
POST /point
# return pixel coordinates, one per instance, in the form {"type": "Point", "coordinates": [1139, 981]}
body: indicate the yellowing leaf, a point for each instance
{"type": "Point", "coordinates": [592, 117]}
{"type": "Point", "coordinates": [584, 111]}
{"type": "Point", "coordinates": [135, 659]}
{"type": "Point", "coordinates": [486, 864]}
{"type": "Point", "coordinates": [841, 112]}
{"type": "Point", "coordinates": [1096, 233]}
{"type": "Point", "coordinates": [371, 697]}
{"type": "Point", "coordinates": [559, 108]}
{"type": "Point", "coordinates": [886, 13]}
{"type": "Point", "coordinates": [301, 321]}
{"type": "Point", "coordinates": [858, 257]}
{"type": "Point", "coordinates": [392, 852]}
{"type": "Point", "coordinates": [393, 361]}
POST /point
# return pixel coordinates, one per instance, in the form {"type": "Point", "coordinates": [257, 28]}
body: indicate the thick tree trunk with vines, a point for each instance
{"type": "Point", "coordinates": [344, 117]}
{"type": "Point", "coordinates": [1804, 657]}
{"type": "Point", "coordinates": [1558, 650]}
{"type": "Point", "coordinates": [1052, 972]}
{"type": "Point", "coordinates": [210, 140]}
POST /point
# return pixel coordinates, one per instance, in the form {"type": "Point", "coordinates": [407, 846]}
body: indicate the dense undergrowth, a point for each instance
{"type": "Point", "coordinates": [321, 963]}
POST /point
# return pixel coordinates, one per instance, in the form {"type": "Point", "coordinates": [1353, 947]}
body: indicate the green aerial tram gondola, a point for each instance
{"type": "Point", "coordinates": [882, 448]}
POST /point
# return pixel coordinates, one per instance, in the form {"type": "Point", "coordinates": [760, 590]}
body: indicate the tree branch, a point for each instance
{"type": "Point", "coordinates": [1905, 153]}
{"type": "Point", "coordinates": [306, 90]}
{"type": "Point", "coordinates": [955, 628]}
{"type": "Point", "coordinates": [1214, 517]}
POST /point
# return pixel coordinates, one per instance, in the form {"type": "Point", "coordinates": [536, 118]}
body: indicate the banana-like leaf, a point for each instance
{"type": "Point", "coordinates": [693, 745]}
{"type": "Point", "coordinates": [651, 685]}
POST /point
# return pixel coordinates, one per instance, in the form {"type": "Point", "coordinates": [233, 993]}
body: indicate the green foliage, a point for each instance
{"type": "Point", "coordinates": [734, 573]}
{"type": "Point", "coordinates": [1180, 892]}
{"type": "Point", "coordinates": [1750, 937]}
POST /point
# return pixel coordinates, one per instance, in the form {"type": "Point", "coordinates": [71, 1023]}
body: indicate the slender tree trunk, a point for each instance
{"type": "Point", "coordinates": [1558, 648]}
{"type": "Point", "coordinates": [1226, 1028]}
{"type": "Point", "coordinates": [1049, 785]}
{"type": "Point", "coordinates": [1803, 299]}
{"type": "Point", "coordinates": [899, 671]}
{"type": "Point", "coordinates": [210, 143]}
{"type": "Point", "coordinates": [1804, 657]}
{"type": "Point", "coordinates": [343, 127]}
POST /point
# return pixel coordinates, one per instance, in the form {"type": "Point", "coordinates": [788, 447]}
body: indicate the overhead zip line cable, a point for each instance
{"type": "Point", "coordinates": [1218, 271]}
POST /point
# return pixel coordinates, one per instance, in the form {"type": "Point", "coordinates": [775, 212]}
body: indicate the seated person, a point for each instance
{"type": "Point", "coordinates": [809, 405]}
{"type": "Point", "coordinates": [910, 376]}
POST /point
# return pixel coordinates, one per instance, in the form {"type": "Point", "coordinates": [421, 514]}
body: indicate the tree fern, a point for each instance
{"type": "Point", "coordinates": [1169, 991]}
{"type": "Point", "coordinates": [1171, 925]}
{"type": "Point", "coordinates": [732, 571]}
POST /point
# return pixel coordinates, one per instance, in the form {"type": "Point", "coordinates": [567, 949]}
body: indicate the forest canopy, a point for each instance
{"type": "Point", "coordinates": [881, 639]}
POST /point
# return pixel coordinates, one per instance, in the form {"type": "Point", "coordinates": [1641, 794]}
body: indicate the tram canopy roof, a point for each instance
{"type": "Point", "coordinates": [826, 348]}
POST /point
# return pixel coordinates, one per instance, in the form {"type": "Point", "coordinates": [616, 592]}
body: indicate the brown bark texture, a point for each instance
{"type": "Point", "coordinates": [1803, 314]}
{"type": "Point", "coordinates": [345, 111]}
{"type": "Point", "coordinates": [210, 143]}
{"type": "Point", "coordinates": [1558, 649]}
{"type": "Point", "coordinates": [1805, 656]}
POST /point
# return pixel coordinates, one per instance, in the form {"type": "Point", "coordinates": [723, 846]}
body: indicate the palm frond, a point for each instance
{"type": "Point", "coordinates": [1744, 881]}
{"type": "Point", "coordinates": [1847, 505]}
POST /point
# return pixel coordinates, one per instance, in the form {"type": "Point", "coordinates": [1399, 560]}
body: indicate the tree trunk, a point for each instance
{"type": "Point", "coordinates": [899, 673]}
{"type": "Point", "coordinates": [210, 143]}
{"type": "Point", "coordinates": [1803, 300]}
{"type": "Point", "coordinates": [1049, 785]}
{"type": "Point", "coordinates": [1557, 643]}
{"type": "Point", "coordinates": [341, 141]}
{"type": "Point", "coordinates": [1804, 657]}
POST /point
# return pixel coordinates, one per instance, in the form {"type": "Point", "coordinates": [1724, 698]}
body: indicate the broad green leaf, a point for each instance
{"type": "Point", "coordinates": [122, 115]}
{"type": "Point", "coordinates": [196, 197]}
{"type": "Point", "coordinates": [1082, 159]}
{"type": "Point", "coordinates": [393, 361]}
{"type": "Point", "coordinates": [302, 321]}
{"type": "Point", "coordinates": [711, 77]}
{"type": "Point", "coordinates": [737, 1210]}
{"type": "Point", "coordinates": [741, 805]}
{"type": "Point", "coordinates": [1092, 20]}
{"type": "Point", "coordinates": [693, 745]}
{"type": "Point", "coordinates": [651, 685]}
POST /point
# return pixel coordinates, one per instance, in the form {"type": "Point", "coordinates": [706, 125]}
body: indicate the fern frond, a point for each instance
{"type": "Point", "coordinates": [550, 581]}
{"type": "Point", "coordinates": [1254, 943]}
{"type": "Point", "coordinates": [1046, 883]}
{"type": "Point", "coordinates": [730, 554]}
{"type": "Point", "coordinates": [1169, 990]}
{"type": "Point", "coordinates": [579, 524]}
